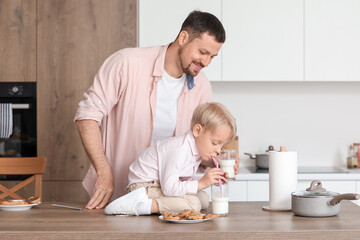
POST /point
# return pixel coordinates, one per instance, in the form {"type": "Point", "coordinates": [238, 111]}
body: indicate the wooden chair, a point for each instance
{"type": "Point", "coordinates": [34, 166]}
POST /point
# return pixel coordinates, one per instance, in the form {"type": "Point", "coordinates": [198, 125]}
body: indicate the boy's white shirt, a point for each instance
{"type": "Point", "coordinates": [171, 162]}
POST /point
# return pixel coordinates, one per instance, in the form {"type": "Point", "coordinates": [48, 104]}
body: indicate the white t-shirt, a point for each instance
{"type": "Point", "coordinates": [168, 92]}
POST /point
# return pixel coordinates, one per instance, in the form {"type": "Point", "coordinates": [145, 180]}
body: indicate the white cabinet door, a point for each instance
{"type": "Point", "coordinates": [333, 186]}
{"type": "Point", "coordinates": [358, 192]}
{"type": "Point", "coordinates": [237, 191]}
{"type": "Point", "coordinates": [258, 191]}
{"type": "Point", "coordinates": [332, 40]}
{"type": "Point", "coordinates": [159, 22]}
{"type": "Point", "coordinates": [264, 40]}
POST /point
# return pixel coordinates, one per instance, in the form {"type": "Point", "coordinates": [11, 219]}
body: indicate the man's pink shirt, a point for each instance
{"type": "Point", "coordinates": [122, 100]}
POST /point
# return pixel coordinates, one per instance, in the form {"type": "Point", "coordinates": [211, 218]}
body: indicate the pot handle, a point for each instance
{"type": "Point", "coordinates": [250, 155]}
{"type": "Point", "coordinates": [271, 148]}
{"type": "Point", "coordinates": [316, 186]}
{"type": "Point", "coordinates": [347, 196]}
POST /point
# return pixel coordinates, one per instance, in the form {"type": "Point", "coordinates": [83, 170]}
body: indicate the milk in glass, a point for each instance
{"type": "Point", "coordinates": [220, 199]}
{"type": "Point", "coordinates": [227, 161]}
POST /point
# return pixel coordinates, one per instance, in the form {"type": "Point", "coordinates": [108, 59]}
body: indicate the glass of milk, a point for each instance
{"type": "Point", "coordinates": [220, 199]}
{"type": "Point", "coordinates": [227, 161]}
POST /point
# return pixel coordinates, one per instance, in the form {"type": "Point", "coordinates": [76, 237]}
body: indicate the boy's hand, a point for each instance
{"type": "Point", "coordinates": [236, 166]}
{"type": "Point", "coordinates": [212, 177]}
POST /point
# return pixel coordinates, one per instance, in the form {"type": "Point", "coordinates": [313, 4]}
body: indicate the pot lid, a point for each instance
{"type": "Point", "coordinates": [270, 148]}
{"type": "Point", "coordinates": [315, 190]}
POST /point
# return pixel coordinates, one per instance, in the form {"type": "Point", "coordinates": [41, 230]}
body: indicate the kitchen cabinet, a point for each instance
{"type": "Point", "coordinates": [159, 22]}
{"type": "Point", "coordinates": [332, 36]}
{"type": "Point", "coordinates": [259, 190]}
{"type": "Point", "coordinates": [237, 189]}
{"type": "Point", "coordinates": [357, 191]}
{"type": "Point", "coordinates": [277, 40]}
{"type": "Point", "coordinates": [18, 41]}
{"type": "Point", "coordinates": [264, 40]}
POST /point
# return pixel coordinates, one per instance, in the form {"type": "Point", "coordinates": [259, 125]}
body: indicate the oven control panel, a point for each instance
{"type": "Point", "coordinates": [17, 89]}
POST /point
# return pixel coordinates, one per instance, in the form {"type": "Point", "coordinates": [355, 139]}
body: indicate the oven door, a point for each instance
{"type": "Point", "coordinates": [22, 142]}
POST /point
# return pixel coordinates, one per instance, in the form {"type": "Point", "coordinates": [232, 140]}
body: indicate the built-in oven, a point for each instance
{"type": "Point", "coordinates": [23, 140]}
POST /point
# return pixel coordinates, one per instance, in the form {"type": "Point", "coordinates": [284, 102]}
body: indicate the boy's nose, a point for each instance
{"type": "Point", "coordinates": [218, 151]}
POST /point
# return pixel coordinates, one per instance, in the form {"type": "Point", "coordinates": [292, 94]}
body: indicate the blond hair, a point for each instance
{"type": "Point", "coordinates": [212, 115]}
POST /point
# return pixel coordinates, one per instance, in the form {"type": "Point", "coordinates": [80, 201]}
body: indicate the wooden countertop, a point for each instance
{"type": "Point", "coordinates": [245, 221]}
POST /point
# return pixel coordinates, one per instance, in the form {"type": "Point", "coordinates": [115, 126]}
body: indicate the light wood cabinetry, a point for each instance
{"type": "Point", "coordinates": [264, 40]}
{"type": "Point", "coordinates": [74, 38]}
{"type": "Point", "coordinates": [61, 45]}
{"type": "Point", "coordinates": [332, 37]}
{"type": "Point", "coordinates": [18, 41]}
{"type": "Point", "coordinates": [160, 22]}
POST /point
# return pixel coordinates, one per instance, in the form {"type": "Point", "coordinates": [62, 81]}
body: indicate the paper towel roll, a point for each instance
{"type": "Point", "coordinates": [282, 179]}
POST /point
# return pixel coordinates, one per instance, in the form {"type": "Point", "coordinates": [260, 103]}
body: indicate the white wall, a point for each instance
{"type": "Point", "coordinates": [319, 120]}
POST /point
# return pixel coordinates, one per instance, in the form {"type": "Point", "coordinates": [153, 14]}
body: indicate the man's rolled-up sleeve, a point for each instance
{"type": "Point", "coordinates": [105, 91]}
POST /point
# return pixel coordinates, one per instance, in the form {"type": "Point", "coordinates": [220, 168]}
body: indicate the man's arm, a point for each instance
{"type": "Point", "coordinates": [104, 186]}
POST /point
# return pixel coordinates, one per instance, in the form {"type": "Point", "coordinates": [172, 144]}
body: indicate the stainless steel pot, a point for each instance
{"type": "Point", "coordinates": [261, 160]}
{"type": "Point", "coordinates": [317, 202]}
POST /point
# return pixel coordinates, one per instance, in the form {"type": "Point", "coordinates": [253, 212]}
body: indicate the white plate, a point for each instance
{"type": "Point", "coordinates": [185, 221]}
{"type": "Point", "coordinates": [15, 207]}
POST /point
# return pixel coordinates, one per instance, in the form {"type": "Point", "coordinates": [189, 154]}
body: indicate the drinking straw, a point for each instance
{"type": "Point", "coordinates": [217, 165]}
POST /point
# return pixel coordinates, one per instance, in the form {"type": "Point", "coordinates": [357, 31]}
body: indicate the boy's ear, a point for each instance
{"type": "Point", "coordinates": [197, 129]}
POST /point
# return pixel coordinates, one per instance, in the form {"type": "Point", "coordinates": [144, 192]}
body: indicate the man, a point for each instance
{"type": "Point", "coordinates": [141, 95]}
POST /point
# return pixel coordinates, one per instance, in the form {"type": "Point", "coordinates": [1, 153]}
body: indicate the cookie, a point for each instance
{"type": "Point", "coordinates": [194, 217]}
{"type": "Point", "coordinates": [168, 213]}
{"type": "Point", "coordinates": [185, 212]}
{"type": "Point", "coordinates": [33, 200]}
{"type": "Point", "coordinates": [196, 213]}
{"type": "Point", "coordinates": [171, 217]}
{"type": "Point", "coordinates": [211, 216]}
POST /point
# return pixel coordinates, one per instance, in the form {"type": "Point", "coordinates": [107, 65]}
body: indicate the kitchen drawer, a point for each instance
{"type": "Point", "coordinates": [357, 191]}
{"type": "Point", "coordinates": [258, 190]}
{"type": "Point", "coordinates": [333, 186]}
{"type": "Point", "coordinates": [238, 191]}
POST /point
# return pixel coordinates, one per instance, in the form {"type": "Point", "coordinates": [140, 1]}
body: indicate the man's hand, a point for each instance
{"type": "Point", "coordinates": [103, 190]}
{"type": "Point", "coordinates": [104, 185]}
{"type": "Point", "coordinates": [212, 177]}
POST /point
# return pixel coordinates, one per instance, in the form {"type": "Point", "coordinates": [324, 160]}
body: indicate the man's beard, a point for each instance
{"type": "Point", "coordinates": [186, 69]}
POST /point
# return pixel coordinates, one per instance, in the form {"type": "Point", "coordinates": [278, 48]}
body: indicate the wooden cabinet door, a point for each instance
{"type": "Point", "coordinates": [264, 40]}
{"type": "Point", "coordinates": [332, 40]}
{"type": "Point", "coordinates": [18, 41]}
{"type": "Point", "coordinates": [160, 21]}
{"type": "Point", "coordinates": [74, 39]}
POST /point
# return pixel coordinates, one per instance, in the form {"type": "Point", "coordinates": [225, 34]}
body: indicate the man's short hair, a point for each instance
{"type": "Point", "coordinates": [199, 22]}
{"type": "Point", "coordinates": [211, 115]}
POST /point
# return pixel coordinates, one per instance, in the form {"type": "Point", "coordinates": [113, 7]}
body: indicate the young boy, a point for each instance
{"type": "Point", "coordinates": [162, 178]}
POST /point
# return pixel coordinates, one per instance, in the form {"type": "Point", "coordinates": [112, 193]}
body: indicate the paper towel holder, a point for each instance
{"type": "Point", "coordinates": [267, 208]}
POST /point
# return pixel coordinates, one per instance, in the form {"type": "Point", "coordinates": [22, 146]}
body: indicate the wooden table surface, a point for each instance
{"type": "Point", "coordinates": [245, 221]}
